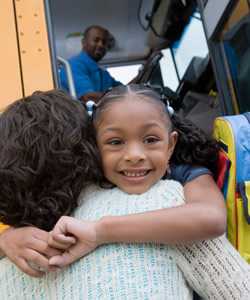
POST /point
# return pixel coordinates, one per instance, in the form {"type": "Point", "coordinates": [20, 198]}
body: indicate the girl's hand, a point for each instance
{"type": "Point", "coordinates": [28, 246]}
{"type": "Point", "coordinates": [76, 237]}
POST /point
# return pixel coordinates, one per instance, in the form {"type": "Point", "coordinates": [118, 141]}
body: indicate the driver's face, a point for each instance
{"type": "Point", "coordinates": [96, 43]}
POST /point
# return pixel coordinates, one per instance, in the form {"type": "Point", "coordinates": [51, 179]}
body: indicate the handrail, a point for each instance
{"type": "Point", "coordinates": [69, 76]}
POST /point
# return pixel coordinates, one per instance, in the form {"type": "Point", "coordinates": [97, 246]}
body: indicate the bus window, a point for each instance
{"type": "Point", "coordinates": [191, 45]}
{"type": "Point", "coordinates": [124, 73]}
{"type": "Point", "coordinates": [168, 71]}
{"type": "Point", "coordinates": [236, 43]}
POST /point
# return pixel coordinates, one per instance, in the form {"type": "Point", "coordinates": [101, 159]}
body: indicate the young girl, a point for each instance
{"type": "Point", "coordinates": [134, 159]}
{"type": "Point", "coordinates": [203, 217]}
{"type": "Point", "coordinates": [161, 226]}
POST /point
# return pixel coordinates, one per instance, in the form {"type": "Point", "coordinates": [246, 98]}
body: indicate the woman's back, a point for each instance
{"type": "Point", "coordinates": [116, 271]}
{"type": "Point", "coordinates": [136, 271]}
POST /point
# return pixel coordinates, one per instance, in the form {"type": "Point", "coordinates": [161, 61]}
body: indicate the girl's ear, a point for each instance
{"type": "Point", "coordinates": [173, 137]}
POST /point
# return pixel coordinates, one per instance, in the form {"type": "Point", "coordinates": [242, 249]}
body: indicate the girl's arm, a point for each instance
{"type": "Point", "coordinates": [203, 217]}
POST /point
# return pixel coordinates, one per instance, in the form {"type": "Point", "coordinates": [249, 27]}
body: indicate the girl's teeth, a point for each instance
{"type": "Point", "coordinates": [131, 174]}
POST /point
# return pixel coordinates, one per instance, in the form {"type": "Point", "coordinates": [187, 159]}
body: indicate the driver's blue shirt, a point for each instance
{"type": "Point", "coordinates": [88, 76]}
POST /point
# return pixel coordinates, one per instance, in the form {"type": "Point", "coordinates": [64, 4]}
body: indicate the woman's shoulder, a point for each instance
{"type": "Point", "coordinates": [168, 185]}
{"type": "Point", "coordinates": [91, 191]}
{"type": "Point", "coordinates": [165, 193]}
{"type": "Point", "coordinates": [170, 190]}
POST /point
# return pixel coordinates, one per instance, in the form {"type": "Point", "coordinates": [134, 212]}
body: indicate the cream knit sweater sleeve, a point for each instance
{"type": "Point", "coordinates": [214, 269]}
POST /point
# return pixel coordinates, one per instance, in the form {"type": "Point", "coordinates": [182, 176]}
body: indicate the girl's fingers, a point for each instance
{"type": "Point", "coordinates": [54, 268]}
{"type": "Point", "coordinates": [43, 247]}
{"type": "Point", "coordinates": [61, 241]}
{"type": "Point", "coordinates": [62, 260]}
{"type": "Point", "coordinates": [56, 261]}
{"type": "Point", "coordinates": [65, 239]}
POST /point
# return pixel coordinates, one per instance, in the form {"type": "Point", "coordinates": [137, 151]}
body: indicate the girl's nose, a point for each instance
{"type": "Point", "coordinates": [134, 153]}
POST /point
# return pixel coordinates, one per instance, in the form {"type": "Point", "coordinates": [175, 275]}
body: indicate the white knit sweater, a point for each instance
{"type": "Point", "coordinates": [136, 271]}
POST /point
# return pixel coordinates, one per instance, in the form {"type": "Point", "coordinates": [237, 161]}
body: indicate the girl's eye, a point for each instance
{"type": "Point", "coordinates": [114, 142]}
{"type": "Point", "coordinates": [151, 140]}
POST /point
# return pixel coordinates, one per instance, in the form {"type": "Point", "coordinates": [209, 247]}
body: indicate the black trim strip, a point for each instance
{"type": "Point", "coordinates": [18, 47]}
{"type": "Point", "coordinates": [223, 146]}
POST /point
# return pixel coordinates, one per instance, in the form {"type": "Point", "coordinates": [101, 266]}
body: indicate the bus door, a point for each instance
{"type": "Point", "coordinates": [26, 49]}
{"type": "Point", "coordinates": [227, 28]}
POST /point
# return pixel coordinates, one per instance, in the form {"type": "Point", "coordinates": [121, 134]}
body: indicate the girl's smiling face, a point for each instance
{"type": "Point", "coordinates": [135, 142]}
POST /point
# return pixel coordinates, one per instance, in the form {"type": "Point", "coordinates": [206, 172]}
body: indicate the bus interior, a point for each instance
{"type": "Point", "coordinates": [195, 52]}
{"type": "Point", "coordinates": [149, 35]}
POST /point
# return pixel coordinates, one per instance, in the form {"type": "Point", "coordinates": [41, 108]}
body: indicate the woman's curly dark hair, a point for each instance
{"type": "Point", "coordinates": [47, 156]}
{"type": "Point", "coordinates": [193, 147]}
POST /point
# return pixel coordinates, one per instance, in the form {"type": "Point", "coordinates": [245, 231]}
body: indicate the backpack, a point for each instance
{"type": "Point", "coordinates": [233, 135]}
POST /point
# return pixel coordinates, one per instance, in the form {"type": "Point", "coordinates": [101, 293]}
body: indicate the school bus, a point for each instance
{"type": "Point", "coordinates": [195, 52]}
{"type": "Point", "coordinates": [204, 47]}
